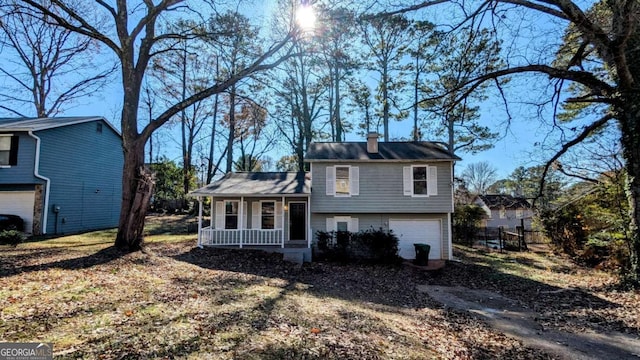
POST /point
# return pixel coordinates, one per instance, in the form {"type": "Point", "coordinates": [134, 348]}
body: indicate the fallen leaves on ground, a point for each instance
{"type": "Point", "coordinates": [183, 302]}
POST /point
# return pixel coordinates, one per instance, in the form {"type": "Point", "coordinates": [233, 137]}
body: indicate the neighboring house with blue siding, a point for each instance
{"type": "Point", "coordinates": [61, 175]}
{"type": "Point", "coordinates": [406, 187]}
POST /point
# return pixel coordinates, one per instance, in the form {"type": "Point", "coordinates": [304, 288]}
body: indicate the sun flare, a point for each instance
{"type": "Point", "coordinates": [306, 17]}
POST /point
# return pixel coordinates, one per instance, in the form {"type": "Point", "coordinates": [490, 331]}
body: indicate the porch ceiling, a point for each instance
{"type": "Point", "coordinates": [258, 184]}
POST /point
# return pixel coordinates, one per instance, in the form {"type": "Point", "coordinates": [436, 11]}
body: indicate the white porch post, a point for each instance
{"type": "Point", "coordinates": [309, 222]}
{"type": "Point", "coordinates": [240, 219]}
{"type": "Point", "coordinates": [199, 221]}
{"type": "Point", "coordinates": [211, 220]}
{"type": "Point", "coordinates": [282, 222]}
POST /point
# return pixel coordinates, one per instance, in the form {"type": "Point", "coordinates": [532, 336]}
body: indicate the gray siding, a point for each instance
{"type": "Point", "coordinates": [85, 168]}
{"type": "Point", "coordinates": [22, 173]}
{"type": "Point", "coordinates": [381, 190]}
{"type": "Point", "coordinates": [377, 221]}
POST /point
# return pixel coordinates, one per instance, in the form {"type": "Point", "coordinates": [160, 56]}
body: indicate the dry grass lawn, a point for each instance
{"type": "Point", "coordinates": [177, 301]}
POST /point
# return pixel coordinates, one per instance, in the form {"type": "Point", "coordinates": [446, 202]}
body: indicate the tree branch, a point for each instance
{"type": "Point", "coordinates": [256, 66]}
{"type": "Point", "coordinates": [582, 77]}
{"type": "Point", "coordinates": [588, 130]}
{"type": "Point", "coordinates": [85, 28]}
{"type": "Point", "coordinates": [12, 111]}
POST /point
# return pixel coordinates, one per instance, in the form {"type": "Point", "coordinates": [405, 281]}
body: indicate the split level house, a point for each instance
{"type": "Point", "coordinates": [504, 211]}
{"type": "Point", "coordinates": [405, 187]}
{"type": "Point", "coordinates": [61, 175]}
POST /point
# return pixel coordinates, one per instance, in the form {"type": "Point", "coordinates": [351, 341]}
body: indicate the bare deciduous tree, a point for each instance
{"type": "Point", "coordinates": [479, 176]}
{"type": "Point", "coordinates": [46, 68]}
{"type": "Point", "coordinates": [134, 35]}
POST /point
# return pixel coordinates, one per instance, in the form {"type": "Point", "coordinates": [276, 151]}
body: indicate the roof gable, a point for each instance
{"type": "Point", "coordinates": [387, 151]}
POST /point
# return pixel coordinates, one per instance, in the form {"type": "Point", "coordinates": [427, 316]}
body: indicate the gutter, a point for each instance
{"type": "Point", "coordinates": [46, 179]}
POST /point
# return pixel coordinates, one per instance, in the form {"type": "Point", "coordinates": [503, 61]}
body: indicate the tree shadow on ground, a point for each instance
{"type": "Point", "coordinates": [385, 285]}
{"type": "Point", "coordinates": [394, 287]}
{"type": "Point", "coordinates": [12, 265]}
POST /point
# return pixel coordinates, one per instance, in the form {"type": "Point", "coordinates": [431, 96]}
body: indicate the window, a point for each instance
{"type": "Point", "coordinates": [503, 213]}
{"type": "Point", "coordinates": [342, 180]}
{"type": "Point", "coordinates": [268, 220]}
{"type": "Point", "coordinates": [231, 214]}
{"type": "Point", "coordinates": [343, 223]}
{"type": "Point", "coordinates": [519, 213]}
{"type": "Point", "coordinates": [420, 180]}
{"type": "Point", "coordinates": [8, 150]}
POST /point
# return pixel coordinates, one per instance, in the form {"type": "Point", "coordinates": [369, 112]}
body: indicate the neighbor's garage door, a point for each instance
{"type": "Point", "coordinates": [19, 203]}
{"type": "Point", "coordinates": [411, 232]}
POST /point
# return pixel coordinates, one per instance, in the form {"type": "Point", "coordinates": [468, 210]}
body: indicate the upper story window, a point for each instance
{"type": "Point", "coordinates": [420, 180]}
{"type": "Point", "coordinates": [519, 213]}
{"type": "Point", "coordinates": [503, 213]}
{"type": "Point", "coordinates": [5, 149]}
{"type": "Point", "coordinates": [8, 150]}
{"type": "Point", "coordinates": [342, 180]}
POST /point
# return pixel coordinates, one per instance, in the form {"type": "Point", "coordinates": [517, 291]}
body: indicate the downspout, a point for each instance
{"type": "Point", "coordinates": [46, 179]}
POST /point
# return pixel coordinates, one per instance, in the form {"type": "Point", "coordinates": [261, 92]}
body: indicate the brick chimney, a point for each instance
{"type": "Point", "coordinates": [372, 143]}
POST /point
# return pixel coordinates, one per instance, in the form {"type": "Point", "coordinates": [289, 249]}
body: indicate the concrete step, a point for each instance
{"type": "Point", "coordinates": [294, 257]}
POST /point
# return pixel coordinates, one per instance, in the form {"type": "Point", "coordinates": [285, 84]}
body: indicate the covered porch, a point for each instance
{"type": "Point", "coordinates": [256, 210]}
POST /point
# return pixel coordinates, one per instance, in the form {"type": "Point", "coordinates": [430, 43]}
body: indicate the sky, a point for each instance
{"type": "Point", "coordinates": [516, 146]}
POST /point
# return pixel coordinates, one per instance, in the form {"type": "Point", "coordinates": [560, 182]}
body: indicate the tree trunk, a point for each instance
{"type": "Point", "coordinates": [232, 127]}
{"type": "Point", "coordinates": [385, 102]}
{"type": "Point", "coordinates": [186, 156]}
{"type": "Point", "coordinates": [210, 168]}
{"type": "Point", "coordinates": [630, 126]}
{"type": "Point", "coordinates": [137, 185]}
{"type": "Point", "coordinates": [450, 132]}
{"type": "Point", "coordinates": [339, 132]}
{"type": "Point", "coordinates": [416, 84]}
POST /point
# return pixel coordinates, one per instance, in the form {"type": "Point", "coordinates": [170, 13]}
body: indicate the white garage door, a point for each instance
{"type": "Point", "coordinates": [411, 232]}
{"type": "Point", "coordinates": [19, 203]}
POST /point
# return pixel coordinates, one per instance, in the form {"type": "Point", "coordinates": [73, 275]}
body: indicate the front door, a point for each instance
{"type": "Point", "coordinates": [297, 221]}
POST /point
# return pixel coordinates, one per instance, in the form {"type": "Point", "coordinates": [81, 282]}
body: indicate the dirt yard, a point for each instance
{"type": "Point", "coordinates": [178, 301]}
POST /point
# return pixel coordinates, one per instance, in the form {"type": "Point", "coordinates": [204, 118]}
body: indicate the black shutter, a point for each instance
{"type": "Point", "coordinates": [13, 153]}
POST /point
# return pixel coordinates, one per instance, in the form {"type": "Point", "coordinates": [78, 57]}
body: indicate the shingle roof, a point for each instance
{"type": "Point", "coordinates": [344, 151]}
{"type": "Point", "coordinates": [258, 183]}
{"type": "Point", "coordinates": [506, 201]}
{"type": "Point", "coordinates": [36, 124]}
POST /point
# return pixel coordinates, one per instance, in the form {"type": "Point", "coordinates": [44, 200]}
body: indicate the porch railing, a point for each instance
{"type": "Point", "coordinates": [236, 237]}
